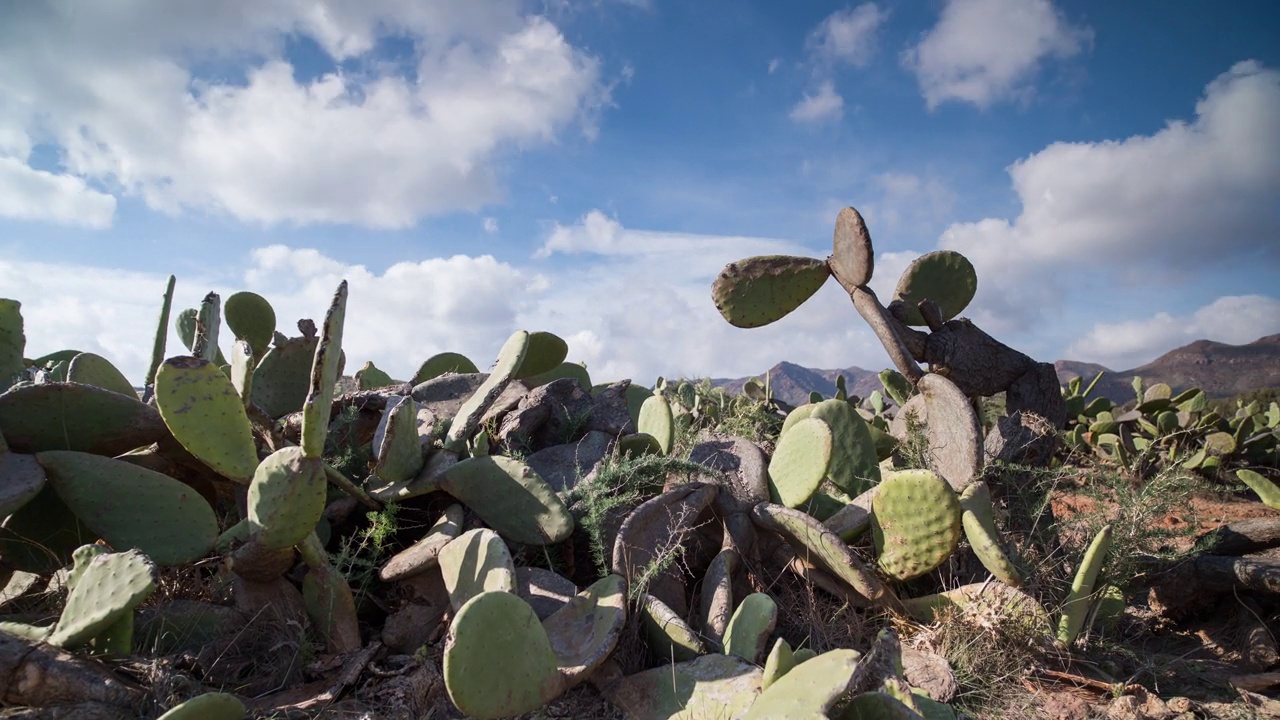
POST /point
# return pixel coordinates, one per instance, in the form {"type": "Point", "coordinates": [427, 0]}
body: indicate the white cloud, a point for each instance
{"type": "Point", "coordinates": [773, 65]}
{"type": "Point", "coordinates": [1234, 320]}
{"type": "Point", "coordinates": [825, 104]}
{"type": "Point", "coordinates": [847, 37]}
{"type": "Point", "coordinates": [30, 194]}
{"type": "Point", "coordinates": [1187, 197]}
{"type": "Point", "coordinates": [985, 51]}
{"type": "Point", "coordinates": [113, 87]}
{"type": "Point", "coordinates": [908, 201]}
{"type": "Point", "coordinates": [490, 225]}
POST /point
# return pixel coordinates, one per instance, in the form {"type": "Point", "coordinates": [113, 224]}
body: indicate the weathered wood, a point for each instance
{"type": "Point", "coordinates": [1246, 573]}
{"type": "Point", "coordinates": [41, 675]}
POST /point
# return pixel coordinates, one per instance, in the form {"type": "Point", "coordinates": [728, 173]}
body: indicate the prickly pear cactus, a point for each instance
{"type": "Point", "coordinates": [210, 706]}
{"type": "Point", "coordinates": [759, 290]}
{"type": "Point", "coordinates": [252, 319]}
{"type": "Point", "coordinates": [286, 498]}
{"type": "Point", "coordinates": [750, 627]}
{"type": "Point", "coordinates": [915, 522]}
{"type": "Point", "coordinates": [943, 276]}
{"type": "Point", "coordinates": [511, 498]}
{"type": "Point", "coordinates": [91, 369]}
{"type": "Point", "coordinates": [800, 463]}
{"type": "Point", "coordinates": [809, 690]}
{"type": "Point", "coordinates": [1076, 607]}
{"type": "Point", "coordinates": [12, 342]}
{"type": "Point", "coordinates": [441, 363]}
{"type": "Point", "coordinates": [207, 416]}
{"type": "Point", "coordinates": [110, 585]}
{"type": "Point", "coordinates": [546, 352]}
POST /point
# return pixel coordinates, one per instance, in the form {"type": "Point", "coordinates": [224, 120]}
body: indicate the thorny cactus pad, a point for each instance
{"type": "Point", "coordinates": [759, 290]}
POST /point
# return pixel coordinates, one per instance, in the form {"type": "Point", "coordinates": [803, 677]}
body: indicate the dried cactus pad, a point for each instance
{"type": "Point", "coordinates": [759, 290]}
{"type": "Point", "coordinates": [585, 631]}
{"type": "Point", "coordinates": [943, 276]}
{"type": "Point", "coordinates": [915, 521]}
{"type": "Point", "coordinates": [852, 258]}
{"type": "Point", "coordinates": [498, 661]}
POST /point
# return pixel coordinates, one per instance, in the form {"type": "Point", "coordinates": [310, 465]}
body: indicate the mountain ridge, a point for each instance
{"type": "Point", "coordinates": [1220, 369]}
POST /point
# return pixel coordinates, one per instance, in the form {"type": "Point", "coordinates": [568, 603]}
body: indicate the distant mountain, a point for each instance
{"type": "Point", "coordinates": [1219, 369]}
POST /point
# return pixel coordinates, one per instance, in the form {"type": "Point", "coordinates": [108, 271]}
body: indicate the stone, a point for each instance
{"type": "Point", "coordinates": [609, 413]}
{"type": "Point", "coordinates": [564, 466]}
{"type": "Point", "coordinates": [411, 627]}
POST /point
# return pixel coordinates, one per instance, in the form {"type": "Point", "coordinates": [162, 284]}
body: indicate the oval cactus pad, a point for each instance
{"type": "Point", "coordinates": [943, 276]}
{"type": "Point", "coordinates": [759, 290]}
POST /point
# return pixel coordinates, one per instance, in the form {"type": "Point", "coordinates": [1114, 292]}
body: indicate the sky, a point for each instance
{"type": "Point", "coordinates": [474, 167]}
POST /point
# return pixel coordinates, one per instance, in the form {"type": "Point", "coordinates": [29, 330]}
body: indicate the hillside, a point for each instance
{"type": "Point", "coordinates": [1219, 369]}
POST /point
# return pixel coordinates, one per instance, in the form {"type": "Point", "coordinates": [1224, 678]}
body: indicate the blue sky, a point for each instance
{"type": "Point", "coordinates": [477, 166]}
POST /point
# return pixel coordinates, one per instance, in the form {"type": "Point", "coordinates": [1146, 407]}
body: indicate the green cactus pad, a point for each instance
{"type": "Point", "coordinates": [779, 663]}
{"type": "Point", "coordinates": [370, 377]}
{"type": "Point", "coordinates": [475, 562]}
{"type": "Point", "coordinates": [12, 342]}
{"type": "Point", "coordinates": [70, 416]}
{"type": "Point", "coordinates": [441, 363]}
{"type": "Point", "coordinates": [801, 412]}
{"type": "Point", "coordinates": [915, 522]}
{"type": "Point", "coordinates": [877, 705]}
{"type": "Point", "coordinates": [286, 498]}
{"type": "Point", "coordinates": [395, 442]}
{"type": "Point", "coordinates": [252, 319]}
{"type": "Point", "coordinates": [852, 258]}
{"type": "Point", "coordinates": [468, 417]}
{"type": "Point", "coordinates": [818, 545]}
{"type": "Point", "coordinates": [639, 444]}
{"type": "Point", "coordinates": [162, 333]}
{"type": "Point", "coordinates": [283, 376]}
{"type": "Point", "coordinates": [208, 326]}
{"type": "Point", "coordinates": [585, 631]}
{"type": "Point", "coordinates": [980, 529]}
{"type": "Point", "coordinates": [1076, 607]}
{"type": "Point", "coordinates": [897, 386]}
{"type": "Point", "coordinates": [759, 290]}
{"type": "Point", "coordinates": [41, 536]}
{"type": "Point", "coordinates": [328, 600]}
{"type": "Point", "coordinates": [1267, 490]}
{"type": "Point", "coordinates": [573, 370]}
{"type": "Point", "coordinates": [711, 687]}
{"type": "Point", "coordinates": [669, 637]}
{"type": "Point", "coordinates": [511, 498]}
{"type": "Point", "coordinates": [809, 690]}
{"type": "Point", "coordinates": [656, 421]}
{"type": "Point", "coordinates": [206, 415]}
{"type": "Point", "coordinates": [133, 507]}
{"type": "Point", "coordinates": [209, 706]}
{"type": "Point", "coordinates": [943, 276]}
{"type": "Point", "coordinates": [498, 660]}
{"type": "Point", "coordinates": [95, 370]}
{"type": "Point", "coordinates": [325, 369]}
{"type": "Point", "coordinates": [242, 367]}
{"type": "Point", "coordinates": [750, 627]}
{"type": "Point", "coordinates": [800, 463]}
{"type": "Point", "coordinates": [546, 352]}
{"type": "Point", "coordinates": [111, 585]}
{"type": "Point", "coordinates": [21, 480]}
{"type": "Point", "coordinates": [854, 464]}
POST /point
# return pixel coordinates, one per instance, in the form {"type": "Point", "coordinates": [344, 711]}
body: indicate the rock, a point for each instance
{"type": "Point", "coordinates": [545, 591]}
{"type": "Point", "coordinates": [571, 407]}
{"type": "Point", "coordinates": [609, 413]}
{"type": "Point", "coordinates": [564, 466]}
{"type": "Point", "coordinates": [411, 627]}
{"type": "Point", "coordinates": [443, 396]}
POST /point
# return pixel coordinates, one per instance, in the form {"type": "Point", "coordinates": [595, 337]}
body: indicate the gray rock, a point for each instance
{"type": "Point", "coordinates": [545, 591]}
{"type": "Point", "coordinates": [609, 412]}
{"type": "Point", "coordinates": [411, 627]}
{"type": "Point", "coordinates": [564, 466]}
{"type": "Point", "coordinates": [570, 411]}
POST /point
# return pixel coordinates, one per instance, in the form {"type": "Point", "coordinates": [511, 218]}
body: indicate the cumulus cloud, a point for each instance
{"type": "Point", "coordinates": [30, 194]}
{"type": "Point", "coordinates": [985, 51]}
{"type": "Point", "coordinates": [820, 106]}
{"type": "Point", "coordinates": [1189, 196]}
{"type": "Point", "coordinates": [1234, 320]}
{"type": "Point", "coordinates": [847, 37]}
{"type": "Point", "coordinates": [120, 91]}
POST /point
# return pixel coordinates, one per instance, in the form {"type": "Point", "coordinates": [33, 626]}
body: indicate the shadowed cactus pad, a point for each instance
{"type": "Point", "coordinates": [133, 507]}
{"type": "Point", "coordinates": [1076, 607]}
{"type": "Point", "coordinates": [511, 498]}
{"type": "Point", "coordinates": [286, 498]}
{"type": "Point", "coordinates": [750, 627]}
{"type": "Point", "coordinates": [475, 562]}
{"type": "Point", "coordinates": [210, 706]}
{"type": "Point", "coordinates": [759, 290]}
{"type": "Point", "coordinates": [109, 586]}
{"type": "Point", "coordinates": [915, 522]}
{"type": "Point", "coordinates": [441, 363]}
{"type": "Point", "coordinates": [21, 479]}
{"type": "Point", "coordinates": [91, 369]}
{"type": "Point", "coordinates": [585, 631]}
{"type": "Point", "coordinates": [70, 416]}
{"type": "Point", "coordinates": [852, 258]}
{"type": "Point", "coordinates": [670, 638]}
{"type": "Point", "coordinates": [498, 660]}
{"type": "Point", "coordinates": [251, 318]}
{"type": "Point", "coordinates": [943, 276]}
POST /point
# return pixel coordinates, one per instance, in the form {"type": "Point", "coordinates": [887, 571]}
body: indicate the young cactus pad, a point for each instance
{"type": "Point", "coordinates": [915, 522]}
{"type": "Point", "coordinates": [1076, 608]}
{"type": "Point", "coordinates": [109, 586]}
{"type": "Point", "coordinates": [944, 276]}
{"type": "Point", "coordinates": [511, 498]}
{"type": "Point", "coordinates": [133, 507]}
{"type": "Point", "coordinates": [252, 319]}
{"type": "Point", "coordinates": [325, 368]}
{"type": "Point", "coordinates": [657, 421]}
{"type": "Point", "coordinates": [759, 290]}
{"type": "Point", "coordinates": [498, 660]}
{"type": "Point", "coordinates": [207, 416]}
{"type": "Point", "coordinates": [809, 690]}
{"type": "Point", "coordinates": [800, 463]}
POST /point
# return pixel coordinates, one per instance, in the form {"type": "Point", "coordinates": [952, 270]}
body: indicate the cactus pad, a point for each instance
{"type": "Point", "coordinates": [206, 415]}
{"type": "Point", "coordinates": [251, 318]}
{"type": "Point", "coordinates": [800, 463]}
{"type": "Point", "coordinates": [468, 416]}
{"type": "Point", "coordinates": [980, 529]}
{"type": "Point", "coordinates": [21, 479]}
{"type": "Point", "coordinates": [498, 660]}
{"type": "Point", "coordinates": [475, 562]}
{"type": "Point", "coordinates": [12, 342]}
{"type": "Point", "coordinates": [669, 637]}
{"type": "Point", "coordinates": [854, 464]}
{"type": "Point", "coordinates": [943, 276]}
{"type": "Point", "coordinates": [111, 585]}
{"type": "Point", "coordinates": [852, 258]}
{"type": "Point", "coordinates": [91, 369]}
{"type": "Point", "coordinates": [915, 522]}
{"type": "Point", "coordinates": [750, 627]}
{"type": "Point", "coordinates": [809, 690]}
{"type": "Point", "coordinates": [133, 507]}
{"type": "Point", "coordinates": [1076, 607]}
{"type": "Point", "coordinates": [546, 352]}
{"type": "Point", "coordinates": [759, 290]}
{"type": "Point", "coordinates": [779, 663]}
{"type": "Point", "coordinates": [286, 498]}
{"type": "Point", "coordinates": [369, 377]}
{"type": "Point", "coordinates": [424, 554]}
{"type": "Point", "coordinates": [1267, 490]}
{"type": "Point", "coordinates": [395, 441]}
{"type": "Point", "coordinates": [209, 706]}
{"type": "Point", "coordinates": [511, 498]}
{"type": "Point", "coordinates": [657, 421]}
{"type": "Point", "coordinates": [70, 416]}
{"type": "Point", "coordinates": [585, 631]}
{"type": "Point", "coordinates": [441, 363]}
